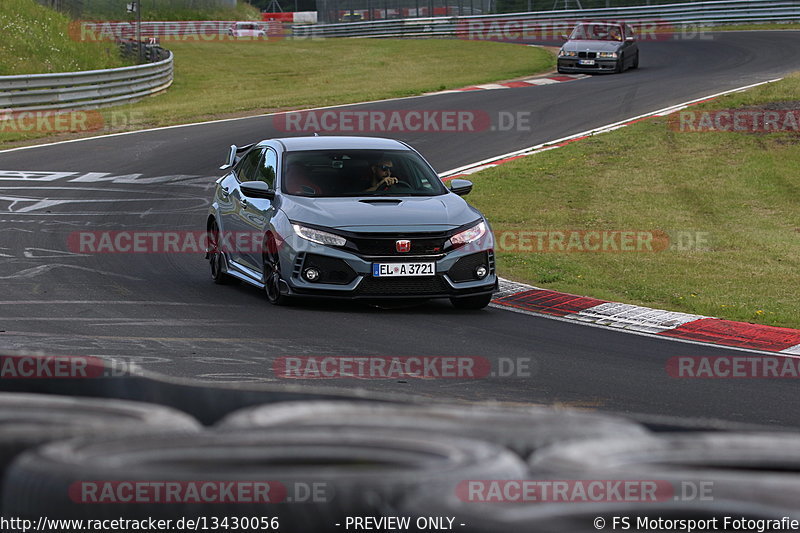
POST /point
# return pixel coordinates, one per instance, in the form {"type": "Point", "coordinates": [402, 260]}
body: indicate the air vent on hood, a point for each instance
{"type": "Point", "coordinates": [378, 201]}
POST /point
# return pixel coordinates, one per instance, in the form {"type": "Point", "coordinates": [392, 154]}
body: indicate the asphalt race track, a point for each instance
{"type": "Point", "coordinates": [163, 311]}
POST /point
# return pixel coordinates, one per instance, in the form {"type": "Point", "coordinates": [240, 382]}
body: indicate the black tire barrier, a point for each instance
{"type": "Point", "coordinates": [29, 420]}
{"type": "Point", "coordinates": [762, 468]}
{"type": "Point", "coordinates": [522, 430]}
{"type": "Point", "coordinates": [352, 473]}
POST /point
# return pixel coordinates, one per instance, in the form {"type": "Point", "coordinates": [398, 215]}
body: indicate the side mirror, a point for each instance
{"type": "Point", "coordinates": [257, 189]}
{"type": "Point", "coordinates": [460, 187]}
{"type": "Point", "coordinates": [231, 159]}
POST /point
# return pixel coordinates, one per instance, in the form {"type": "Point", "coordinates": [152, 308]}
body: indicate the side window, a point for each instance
{"type": "Point", "coordinates": [247, 167]}
{"type": "Point", "coordinates": [629, 31]}
{"type": "Point", "coordinates": [266, 169]}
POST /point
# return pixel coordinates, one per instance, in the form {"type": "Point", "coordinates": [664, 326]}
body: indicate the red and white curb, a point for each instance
{"type": "Point", "coordinates": [633, 318]}
{"type": "Point", "coordinates": [550, 145]}
{"type": "Point", "coordinates": [546, 80]}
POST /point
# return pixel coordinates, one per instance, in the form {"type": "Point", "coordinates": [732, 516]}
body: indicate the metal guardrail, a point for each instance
{"type": "Point", "coordinates": [715, 12]}
{"type": "Point", "coordinates": [89, 88]}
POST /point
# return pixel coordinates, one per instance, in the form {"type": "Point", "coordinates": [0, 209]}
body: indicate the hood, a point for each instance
{"type": "Point", "coordinates": [436, 213]}
{"type": "Point", "coordinates": [592, 46]}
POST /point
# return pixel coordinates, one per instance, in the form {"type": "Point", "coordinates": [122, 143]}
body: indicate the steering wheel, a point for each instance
{"type": "Point", "coordinates": [400, 184]}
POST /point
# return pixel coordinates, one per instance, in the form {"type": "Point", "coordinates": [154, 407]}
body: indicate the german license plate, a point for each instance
{"type": "Point", "coordinates": [380, 270]}
{"type": "Point", "coordinates": [586, 61]}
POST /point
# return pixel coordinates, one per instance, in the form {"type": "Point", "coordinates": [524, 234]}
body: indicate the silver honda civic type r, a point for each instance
{"type": "Point", "coordinates": [347, 217]}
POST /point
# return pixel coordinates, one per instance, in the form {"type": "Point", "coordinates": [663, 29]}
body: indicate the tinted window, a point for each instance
{"type": "Point", "coordinates": [246, 169]}
{"type": "Point", "coordinates": [266, 168]}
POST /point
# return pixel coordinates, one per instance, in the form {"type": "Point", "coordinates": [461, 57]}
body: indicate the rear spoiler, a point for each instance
{"type": "Point", "coordinates": [234, 155]}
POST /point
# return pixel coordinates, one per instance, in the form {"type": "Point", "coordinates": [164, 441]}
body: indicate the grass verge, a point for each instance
{"type": "Point", "coordinates": [168, 10]}
{"type": "Point", "coordinates": [220, 79]}
{"type": "Point", "coordinates": [36, 40]}
{"type": "Point", "coordinates": [737, 190]}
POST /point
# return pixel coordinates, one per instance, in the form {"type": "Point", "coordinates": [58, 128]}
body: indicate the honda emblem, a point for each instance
{"type": "Point", "coordinates": [403, 246]}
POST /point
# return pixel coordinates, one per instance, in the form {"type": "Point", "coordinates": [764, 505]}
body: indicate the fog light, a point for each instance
{"type": "Point", "coordinates": [311, 274]}
{"type": "Point", "coordinates": [481, 272]}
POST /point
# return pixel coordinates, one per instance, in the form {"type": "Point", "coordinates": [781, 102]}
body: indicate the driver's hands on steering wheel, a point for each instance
{"type": "Point", "coordinates": [388, 181]}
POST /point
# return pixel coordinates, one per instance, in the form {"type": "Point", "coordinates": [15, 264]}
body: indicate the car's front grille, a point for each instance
{"type": "Point", "coordinates": [375, 245]}
{"type": "Point", "coordinates": [587, 55]}
{"type": "Point", "coordinates": [406, 286]}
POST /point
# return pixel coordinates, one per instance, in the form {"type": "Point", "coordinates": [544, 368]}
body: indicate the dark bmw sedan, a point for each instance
{"type": "Point", "coordinates": [347, 217]}
{"type": "Point", "coordinates": [599, 47]}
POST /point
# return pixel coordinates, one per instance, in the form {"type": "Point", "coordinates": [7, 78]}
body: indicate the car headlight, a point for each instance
{"type": "Point", "coordinates": [318, 236]}
{"type": "Point", "coordinates": [567, 53]}
{"type": "Point", "coordinates": [470, 235]}
{"type": "Point", "coordinates": [607, 54]}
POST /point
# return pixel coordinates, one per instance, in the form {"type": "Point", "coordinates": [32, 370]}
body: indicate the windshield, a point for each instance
{"type": "Point", "coordinates": [596, 32]}
{"type": "Point", "coordinates": [358, 173]}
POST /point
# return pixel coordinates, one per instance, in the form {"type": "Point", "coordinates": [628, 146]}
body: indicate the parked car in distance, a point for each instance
{"type": "Point", "coordinates": [252, 30]}
{"type": "Point", "coordinates": [351, 17]}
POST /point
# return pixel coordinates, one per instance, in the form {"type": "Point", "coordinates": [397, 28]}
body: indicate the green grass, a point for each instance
{"type": "Point", "coordinates": [36, 40]}
{"type": "Point", "coordinates": [741, 190]}
{"type": "Point", "coordinates": [168, 10]}
{"type": "Point", "coordinates": [230, 77]}
{"type": "Point", "coordinates": [224, 78]}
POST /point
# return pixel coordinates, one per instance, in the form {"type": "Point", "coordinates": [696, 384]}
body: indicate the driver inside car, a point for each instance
{"type": "Point", "coordinates": [381, 175]}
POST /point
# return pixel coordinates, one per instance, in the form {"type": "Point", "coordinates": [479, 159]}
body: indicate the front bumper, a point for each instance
{"type": "Point", "coordinates": [348, 275]}
{"type": "Point", "coordinates": [571, 64]}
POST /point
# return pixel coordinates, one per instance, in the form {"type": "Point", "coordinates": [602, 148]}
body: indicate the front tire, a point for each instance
{"type": "Point", "coordinates": [272, 272]}
{"type": "Point", "coordinates": [635, 61]}
{"type": "Point", "coordinates": [472, 302]}
{"type": "Point", "coordinates": [215, 256]}
{"type": "Point", "coordinates": [620, 68]}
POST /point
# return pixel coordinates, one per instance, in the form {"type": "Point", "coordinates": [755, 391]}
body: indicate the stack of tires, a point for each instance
{"type": "Point", "coordinates": [318, 466]}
